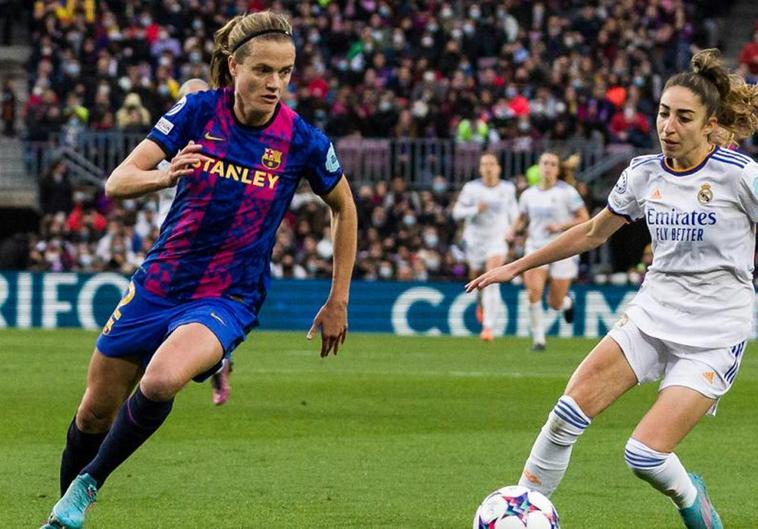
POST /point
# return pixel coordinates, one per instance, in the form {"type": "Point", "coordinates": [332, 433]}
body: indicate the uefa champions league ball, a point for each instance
{"type": "Point", "coordinates": [516, 507]}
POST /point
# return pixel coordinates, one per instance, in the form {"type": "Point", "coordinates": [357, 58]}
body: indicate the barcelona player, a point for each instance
{"type": "Point", "coordinates": [690, 321]}
{"type": "Point", "coordinates": [219, 381]}
{"type": "Point", "coordinates": [237, 154]}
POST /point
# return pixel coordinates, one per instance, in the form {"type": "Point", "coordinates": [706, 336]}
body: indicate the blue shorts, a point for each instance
{"type": "Point", "coordinates": [142, 321]}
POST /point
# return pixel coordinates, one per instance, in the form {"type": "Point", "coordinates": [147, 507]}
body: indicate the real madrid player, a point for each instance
{"type": "Point", "coordinates": [548, 209]}
{"type": "Point", "coordinates": [237, 155]}
{"type": "Point", "coordinates": [689, 323]}
{"type": "Point", "coordinates": [488, 208]}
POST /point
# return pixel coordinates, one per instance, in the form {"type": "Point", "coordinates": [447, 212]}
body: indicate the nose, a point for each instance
{"type": "Point", "coordinates": [273, 82]}
{"type": "Point", "coordinates": [668, 125]}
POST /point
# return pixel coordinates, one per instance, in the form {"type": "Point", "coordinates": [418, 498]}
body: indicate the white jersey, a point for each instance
{"type": "Point", "coordinates": [493, 222]}
{"type": "Point", "coordinates": [165, 196]}
{"type": "Point", "coordinates": [699, 288]}
{"type": "Point", "coordinates": [543, 207]}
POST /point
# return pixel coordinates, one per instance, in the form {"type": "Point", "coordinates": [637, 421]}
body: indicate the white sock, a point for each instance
{"type": "Point", "coordinates": [567, 303]}
{"type": "Point", "coordinates": [662, 470]}
{"type": "Point", "coordinates": [535, 322]}
{"type": "Point", "coordinates": [550, 455]}
{"type": "Point", "coordinates": [489, 305]}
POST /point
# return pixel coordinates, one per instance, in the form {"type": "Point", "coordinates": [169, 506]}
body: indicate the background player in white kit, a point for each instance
{"type": "Point", "coordinates": [548, 209]}
{"type": "Point", "coordinates": [488, 208]}
{"type": "Point", "coordinates": [689, 323]}
{"type": "Point", "coordinates": [221, 388]}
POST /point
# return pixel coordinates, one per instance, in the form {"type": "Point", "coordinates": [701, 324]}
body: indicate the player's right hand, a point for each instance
{"type": "Point", "coordinates": [501, 274]}
{"type": "Point", "coordinates": [482, 207]}
{"type": "Point", "coordinates": [182, 163]}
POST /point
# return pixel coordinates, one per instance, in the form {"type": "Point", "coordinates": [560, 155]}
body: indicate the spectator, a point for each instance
{"type": "Point", "coordinates": [55, 189]}
{"type": "Point", "coordinates": [8, 109]}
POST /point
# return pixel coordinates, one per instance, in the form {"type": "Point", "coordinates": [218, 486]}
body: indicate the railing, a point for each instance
{"type": "Point", "coordinates": [365, 160]}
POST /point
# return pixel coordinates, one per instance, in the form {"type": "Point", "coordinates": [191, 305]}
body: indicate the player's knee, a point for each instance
{"type": "Point", "coordinates": [95, 417]}
{"type": "Point", "coordinates": [641, 459]}
{"type": "Point", "coordinates": [160, 387]}
{"type": "Point", "coordinates": [566, 422]}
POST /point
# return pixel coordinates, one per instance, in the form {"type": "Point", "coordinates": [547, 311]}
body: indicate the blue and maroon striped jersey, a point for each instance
{"type": "Point", "coordinates": [218, 236]}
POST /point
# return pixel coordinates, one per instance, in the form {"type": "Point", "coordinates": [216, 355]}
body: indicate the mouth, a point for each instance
{"type": "Point", "coordinates": [268, 98]}
{"type": "Point", "coordinates": [670, 144]}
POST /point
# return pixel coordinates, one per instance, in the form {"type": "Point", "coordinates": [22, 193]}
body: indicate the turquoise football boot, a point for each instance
{"type": "Point", "coordinates": [69, 512]}
{"type": "Point", "coordinates": [701, 515]}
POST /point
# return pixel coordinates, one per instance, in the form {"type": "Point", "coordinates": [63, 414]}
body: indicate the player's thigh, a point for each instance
{"type": "Point", "coordinates": [109, 383]}
{"type": "Point", "coordinates": [674, 414]}
{"type": "Point", "coordinates": [190, 350]}
{"type": "Point", "coordinates": [535, 280]}
{"type": "Point", "coordinates": [558, 290]}
{"type": "Point", "coordinates": [602, 377]}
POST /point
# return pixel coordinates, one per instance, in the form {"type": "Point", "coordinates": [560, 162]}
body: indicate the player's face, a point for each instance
{"type": "Point", "coordinates": [683, 126]}
{"type": "Point", "coordinates": [262, 77]}
{"type": "Point", "coordinates": [489, 169]}
{"type": "Point", "coordinates": [549, 168]}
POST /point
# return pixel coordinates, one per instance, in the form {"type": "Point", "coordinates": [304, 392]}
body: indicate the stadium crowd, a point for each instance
{"type": "Point", "coordinates": [482, 72]}
{"type": "Point", "coordinates": [475, 71]}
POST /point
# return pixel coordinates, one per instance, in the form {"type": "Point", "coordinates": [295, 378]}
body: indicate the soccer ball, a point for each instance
{"type": "Point", "coordinates": [516, 507]}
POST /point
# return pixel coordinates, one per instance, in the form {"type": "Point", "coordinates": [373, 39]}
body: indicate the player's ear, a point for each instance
{"type": "Point", "coordinates": [232, 65]}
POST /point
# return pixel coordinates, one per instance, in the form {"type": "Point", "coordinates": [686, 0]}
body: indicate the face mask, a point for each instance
{"type": "Point", "coordinates": [432, 27]}
{"type": "Point", "coordinates": [456, 33]}
{"type": "Point", "coordinates": [163, 90]}
{"type": "Point", "coordinates": [384, 106]}
{"type": "Point", "coordinates": [427, 41]}
{"type": "Point", "coordinates": [195, 57]}
{"type": "Point", "coordinates": [146, 21]}
{"type": "Point", "coordinates": [446, 12]}
{"type": "Point", "coordinates": [468, 29]}
{"type": "Point", "coordinates": [439, 187]}
{"type": "Point", "coordinates": [431, 240]}
{"type": "Point", "coordinates": [385, 271]}
{"type": "Point", "coordinates": [73, 69]}
{"type": "Point", "coordinates": [474, 13]}
{"type": "Point", "coordinates": [197, 24]}
{"type": "Point", "coordinates": [164, 61]}
{"type": "Point", "coordinates": [409, 220]}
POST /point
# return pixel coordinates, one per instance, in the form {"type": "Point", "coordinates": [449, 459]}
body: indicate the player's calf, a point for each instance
{"type": "Point", "coordinates": [551, 452]}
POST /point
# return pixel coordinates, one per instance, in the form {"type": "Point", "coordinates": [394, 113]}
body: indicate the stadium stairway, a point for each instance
{"type": "Point", "coordinates": [18, 188]}
{"type": "Point", "coordinates": [737, 28]}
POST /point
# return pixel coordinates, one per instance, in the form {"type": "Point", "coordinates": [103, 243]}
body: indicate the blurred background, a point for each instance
{"type": "Point", "coordinates": [410, 92]}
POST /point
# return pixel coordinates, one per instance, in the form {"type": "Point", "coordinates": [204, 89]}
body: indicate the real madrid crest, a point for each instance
{"type": "Point", "coordinates": [271, 158]}
{"type": "Point", "coordinates": [705, 195]}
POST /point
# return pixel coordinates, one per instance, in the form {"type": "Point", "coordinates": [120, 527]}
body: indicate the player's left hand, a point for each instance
{"type": "Point", "coordinates": [553, 228]}
{"type": "Point", "coordinates": [332, 320]}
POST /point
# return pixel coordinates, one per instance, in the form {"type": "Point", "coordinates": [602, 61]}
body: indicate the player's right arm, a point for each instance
{"type": "Point", "coordinates": [581, 238]}
{"type": "Point", "coordinates": [137, 174]}
{"type": "Point", "coordinates": [623, 206]}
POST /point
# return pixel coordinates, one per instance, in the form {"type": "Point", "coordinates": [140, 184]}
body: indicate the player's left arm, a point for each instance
{"type": "Point", "coordinates": [332, 317]}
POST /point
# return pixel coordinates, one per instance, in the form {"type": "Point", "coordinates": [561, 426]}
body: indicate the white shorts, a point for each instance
{"type": "Point", "coordinates": [477, 253]}
{"type": "Point", "coordinates": [710, 372]}
{"type": "Point", "coordinates": [564, 269]}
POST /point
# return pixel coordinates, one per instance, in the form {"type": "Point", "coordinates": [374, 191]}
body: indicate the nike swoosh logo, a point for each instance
{"type": "Point", "coordinates": [217, 317]}
{"type": "Point", "coordinates": [213, 138]}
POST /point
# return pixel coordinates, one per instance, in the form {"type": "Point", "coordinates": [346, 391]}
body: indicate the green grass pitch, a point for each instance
{"type": "Point", "coordinates": [393, 433]}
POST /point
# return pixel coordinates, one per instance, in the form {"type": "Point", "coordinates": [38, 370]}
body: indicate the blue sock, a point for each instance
{"type": "Point", "coordinates": [81, 448]}
{"type": "Point", "coordinates": [137, 420]}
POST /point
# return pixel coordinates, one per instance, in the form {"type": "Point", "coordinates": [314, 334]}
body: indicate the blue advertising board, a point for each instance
{"type": "Point", "coordinates": [53, 300]}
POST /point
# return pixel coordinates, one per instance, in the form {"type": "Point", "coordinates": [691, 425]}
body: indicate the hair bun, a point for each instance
{"type": "Point", "coordinates": [707, 63]}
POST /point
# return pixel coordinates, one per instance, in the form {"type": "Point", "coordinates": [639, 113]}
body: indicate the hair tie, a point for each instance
{"type": "Point", "coordinates": [258, 34]}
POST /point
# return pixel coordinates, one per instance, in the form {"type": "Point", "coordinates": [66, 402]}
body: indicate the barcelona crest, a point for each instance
{"type": "Point", "coordinates": [271, 158]}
